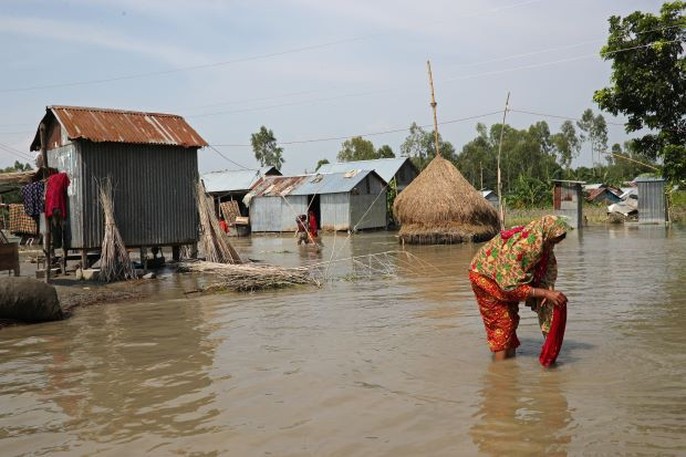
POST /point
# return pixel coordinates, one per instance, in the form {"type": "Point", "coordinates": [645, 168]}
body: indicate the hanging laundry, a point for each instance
{"type": "Point", "coordinates": [56, 195]}
{"type": "Point", "coordinates": [33, 198]}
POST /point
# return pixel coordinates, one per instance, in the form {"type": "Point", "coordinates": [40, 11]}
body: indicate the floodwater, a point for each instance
{"type": "Point", "coordinates": [387, 358]}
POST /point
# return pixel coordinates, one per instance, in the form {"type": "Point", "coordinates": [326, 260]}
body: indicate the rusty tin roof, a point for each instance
{"type": "Point", "coordinates": [120, 126]}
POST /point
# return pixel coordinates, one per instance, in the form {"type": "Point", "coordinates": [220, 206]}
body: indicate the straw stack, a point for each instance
{"type": "Point", "coordinates": [115, 263]}
{"type": "Point", "coordinates": [441, 207]}
{"type": "Point", "coordinates": [213, 241]}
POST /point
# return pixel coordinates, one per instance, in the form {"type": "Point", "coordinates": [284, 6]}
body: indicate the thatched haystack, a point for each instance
{"type": "Point", "coordinates": [441, 207]}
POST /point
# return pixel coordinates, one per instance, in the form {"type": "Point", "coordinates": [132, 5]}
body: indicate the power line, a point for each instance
{"type": "Point", "coordinates": [384, 132]}
{"type": "Point", "coordinates": [557, 116]}
{"type": "Point", "coordinates": [15, 152]}
{"type": "Point", "coordinates": [237, 60]}
{"type": "Point", "coordinates": [229, 160]}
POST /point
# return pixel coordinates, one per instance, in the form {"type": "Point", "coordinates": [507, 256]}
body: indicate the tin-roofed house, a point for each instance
{"type": "Point", "coordinates": [229, 187]}
{"type": "Point", "coordinates": [151, 159]}
{"type": "Point", "coordinates": [401, 169]}
{"type": "Point", "coordinates": [397, 174]}
{"type": "Point", "coordinates": [355, 200]}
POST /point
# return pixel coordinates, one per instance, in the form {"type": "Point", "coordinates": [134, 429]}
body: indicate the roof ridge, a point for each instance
{"type": "Point", "coordinates": [112, 110]}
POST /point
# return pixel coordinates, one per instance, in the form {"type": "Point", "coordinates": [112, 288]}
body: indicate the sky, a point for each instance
{"type": "Point", "coordinates": [315, 72]}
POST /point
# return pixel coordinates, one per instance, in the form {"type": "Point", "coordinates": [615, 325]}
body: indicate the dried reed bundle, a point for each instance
{"type": "Point", "coordinates": [213, 241]}
{"type": "Point", "coordinates": [440, 206]}
{"type": "Point", "coordinates": [115, 263]}
{"type": "Point", "coordinates": [249, 277]}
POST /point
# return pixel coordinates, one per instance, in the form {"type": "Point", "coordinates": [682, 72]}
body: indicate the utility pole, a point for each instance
{"type": "Point", "coordinates": [500, 148]}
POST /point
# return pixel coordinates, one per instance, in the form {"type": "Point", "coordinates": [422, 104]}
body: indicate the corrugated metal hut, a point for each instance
{"type": "Point", "coordinates": [151, 159]}
{"type": "Point", "coordinates": [568, 200]}
{"type": "Point", "coordinates": [354, 200]}
{"type": "Point", "coordinates": [652, 206]}
{"type": "Point", "coordinates": [402, 169]}
{"type": "Point", "coordinates": [233, 185]}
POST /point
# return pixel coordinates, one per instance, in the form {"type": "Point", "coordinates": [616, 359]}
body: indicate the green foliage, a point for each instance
{"type": "Point", "coordinates": [593, 130]}
{"type": "Point", "coordinates": [385, 152]}
{"type": "Point", "coordinates": [648, 82]}
{"type": "Point", "coordinates": [356, 148]}
{"type": "Point", "coordinates": [528, 152]}
{"type": "Point", "coordinates": [18, 166]}
{"type": "Point", "coordinates": [530, 192]}
{"type": "Point", "coordinates": [266, 150]}
{"type": "Point", "coordinates": [420, 147]}
{"type": "Point", "coordinates": [320, 163]}
{"type": "Point", "coordinates": [391, 194]}
{"type": "Point", "coordinates": [566, 144]}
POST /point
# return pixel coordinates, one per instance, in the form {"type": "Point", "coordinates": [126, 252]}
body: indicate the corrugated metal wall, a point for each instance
{"type": "Point", "coordinates": [154, 199]}
{"type": "Point", "coordinates": [67, 160]}
{"type": "Point", "coordinates": [651, 201]}
{"type": "Point", "coordinates": [368, 211]}
{"type": "Point", "coordinates": [335, 211]}
{"type": "Point", "coordinates": [273, 214]}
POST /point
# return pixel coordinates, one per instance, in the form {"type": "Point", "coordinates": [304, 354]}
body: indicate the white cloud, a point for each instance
{"type": "Point", "coordinates": [101, 37]}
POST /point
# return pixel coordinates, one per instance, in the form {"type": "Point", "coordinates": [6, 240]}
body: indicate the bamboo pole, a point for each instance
{"type": "Point", "coordinates": [500, 148]}
{"type": "Point", "coordinates": [46, 238]}
{"type": "Point", "coordinates": [433, 106]}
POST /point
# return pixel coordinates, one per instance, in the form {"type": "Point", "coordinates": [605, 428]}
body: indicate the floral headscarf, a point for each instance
{"type": "Point", "coordinates": [511, 257]}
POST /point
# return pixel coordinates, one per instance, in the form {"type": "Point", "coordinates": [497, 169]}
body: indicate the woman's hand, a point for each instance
{"type": "Point", "coordinates": [555, 297]}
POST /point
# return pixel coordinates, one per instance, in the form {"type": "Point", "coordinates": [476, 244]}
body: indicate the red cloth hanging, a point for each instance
{"type": "Point", "coordinates": [553, 342]}
{"type": "Point", "coordinates": [56, 194]}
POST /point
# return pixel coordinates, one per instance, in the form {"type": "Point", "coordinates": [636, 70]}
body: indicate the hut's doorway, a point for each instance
{"type": "Point", "coordinates": [313, 203]}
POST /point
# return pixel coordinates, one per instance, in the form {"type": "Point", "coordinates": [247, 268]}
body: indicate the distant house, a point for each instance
{"type": "Point", "coordinates": [402, 169]}
{"type": "Point", "coordinates": [602, 193]}
{"type": "Point", "coordinates": [568, 200]}
{"type": "Point", "coordinates": [491, 196]}
{"type": "Point", "coordinates": [151, 159]}
{"type": "Point", "coordinates": [355, 200]}
{"type": "Point", "coordinates": [232, 185]}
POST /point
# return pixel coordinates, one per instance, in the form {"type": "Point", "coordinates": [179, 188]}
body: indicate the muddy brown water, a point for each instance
{"type": "Point", "coordinates": [387, 358]}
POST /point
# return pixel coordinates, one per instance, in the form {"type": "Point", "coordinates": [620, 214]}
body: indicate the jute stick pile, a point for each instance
{"type": "Point", "coordinates": [115, 264]}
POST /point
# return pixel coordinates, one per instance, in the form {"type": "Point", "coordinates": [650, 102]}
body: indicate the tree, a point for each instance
{"type": "Point", "coordinates": [648, 82]}
{"type": "Point", "coordinates": [420, 147]}
{"type": "Point", "coordinates": [18, 166]}
{"type": "Point", "coordinates": [566, 144]}
{"type": "Point", "coordinates": [266, 150]}
{"type": "Point", "coordinates": [594, 130]}
{"type": "Point", "coordinates": [385, 152]}
{"type": "Point", "coordinates": [356, 148]}
{"type": "Point", "coordinates": [320, 163]}
{"type": "Point", "coordinates": [477, 161]}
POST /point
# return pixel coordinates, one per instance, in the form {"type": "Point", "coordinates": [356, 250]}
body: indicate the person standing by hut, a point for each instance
{"type": "Point", "coordinates": [518, 265]}
{"type": "Point", "coordinates": [312, 224]}
{"type": "Point", "coordinates": [301, 231]}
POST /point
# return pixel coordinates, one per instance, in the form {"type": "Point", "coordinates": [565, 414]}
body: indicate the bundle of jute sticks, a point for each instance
{"type": "Point", "coordinates": [115, 263]}
{"type": "Point", "coordinates": [214, 243]}
{"type": "Point", "coordinates": [249, 277]}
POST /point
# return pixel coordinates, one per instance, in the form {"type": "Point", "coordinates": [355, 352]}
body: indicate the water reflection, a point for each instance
{"type": "Point", "coordinates": [294, 372]}
{"type": "Point", "coordinates": [521, 414]}
{"type": "Point", "coordinates": [115, 377]}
